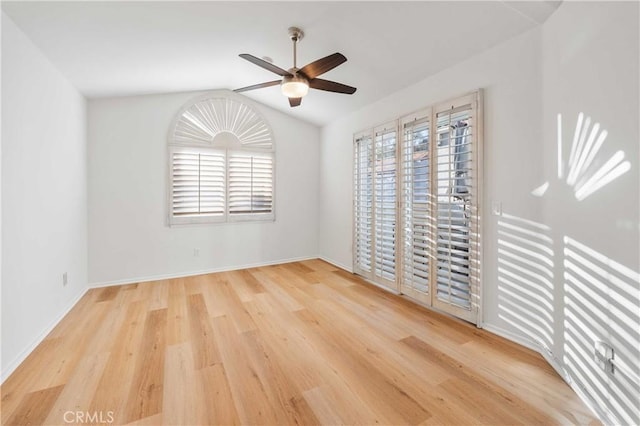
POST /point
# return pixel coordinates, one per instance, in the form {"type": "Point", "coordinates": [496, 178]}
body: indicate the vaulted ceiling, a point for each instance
{"type": "Point", "coordinates": [131, 48]}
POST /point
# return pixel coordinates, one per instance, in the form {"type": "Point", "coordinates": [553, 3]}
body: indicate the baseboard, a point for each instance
{"type": "Point", "coordinates": [537, 346]}
{"type": "Point", "coordinates": [336, 263]}
{"type": "Point", "coordinates": [514, 337]}
{"type": "Point", "coordinates": [27, 351]}
{"type": "Point", "coordinates": [198, 272]}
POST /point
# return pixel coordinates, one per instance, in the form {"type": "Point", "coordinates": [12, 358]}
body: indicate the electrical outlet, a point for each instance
{"type": "Point", "coordinates": [604, 356]}
{"type": "Point", "coordinates": [64, 279]}
{"type": "Point", "coordinates": [196, 252]}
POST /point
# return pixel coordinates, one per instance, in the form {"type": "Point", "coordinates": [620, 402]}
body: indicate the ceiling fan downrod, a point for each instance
{"type": "Point", "coordinates": [296, 34]}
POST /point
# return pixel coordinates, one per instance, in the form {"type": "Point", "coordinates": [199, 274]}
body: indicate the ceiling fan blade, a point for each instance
{"type": "Point", "coordinates": [331, 86]}
{"type": "Point", "coordinates": [258, 86]}
{"type": "Point", "coordinates": [294, 102]}
{"type": "Point", "coordinates": [323, 65]}
{"type": "Point", "coordinates": [264, 64]}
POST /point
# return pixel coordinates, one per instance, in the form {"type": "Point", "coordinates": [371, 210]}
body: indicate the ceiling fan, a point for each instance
{"type": "Point", "coordinates": [295, 82]}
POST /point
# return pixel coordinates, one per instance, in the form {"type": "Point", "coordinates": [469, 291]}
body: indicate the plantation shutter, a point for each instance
{"type": "Point", "coordinates": [455, 178]}
{"type": "Point", "coordinates": [363, 204]}
{"type": "Point", "coordinates": [416, 211]}
{"type": "Point", "coordinates": [250, 184]}
{"type": "Point", "coordinates": [428, 245]}
{"type": "Point", "coordinates": [221, 162]}
{"type": "Point", "coordinates": [197, 184]}
{"type": "Point", "coordinates": [385, 181]}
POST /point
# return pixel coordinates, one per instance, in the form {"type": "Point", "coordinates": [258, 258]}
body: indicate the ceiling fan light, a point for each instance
{"type": "Point", "coordinates": [294, 87]}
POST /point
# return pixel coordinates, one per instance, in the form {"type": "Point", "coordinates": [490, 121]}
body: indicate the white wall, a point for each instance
{"type": "Point", "coordinates": [591, 65]}
{"type": "Point", "coordinates": [558, 273]}
{"type": "Point", "coordinates": [44, 202]}
{"type": "Point", "coordinates": [128, 236]}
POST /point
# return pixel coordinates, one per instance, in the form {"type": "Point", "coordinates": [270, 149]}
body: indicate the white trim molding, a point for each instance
{"type": "Point", "coordinates": [198, 272]}
{"type": "Point", "coordinates": [336, 264]}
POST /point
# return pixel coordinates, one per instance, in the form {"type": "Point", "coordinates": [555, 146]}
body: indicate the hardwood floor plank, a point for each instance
{"type": "Point", "coordinates": [108, 293]}
{"type": "Point", "coordinates": [145, 395]}
{"type": "Point", "coordinates": [323, 408]}
{"type": "Point", "coordinates": [296, 349]}
{"type": "Point", "coordinates": [249, 394]}
{"type": "Point", "coordinates": [213, 385]}
{"type": "Point", "coordinates": [284, 396]}
{"type": "Point", "coordinates": [224, 293]}
{"type": "Point", "coordinates": [355, 365]}
{"type": "Point", "coordinates": [205, 350]}
{"type": "Point", "coordinates": [385, 352]}
{"type": "Point", "coordinates": [24, 378]}
{"type": "Point", "coordinates": [216, 306]}
{"type": "Point", "coordinates": [288, 348]}
{"type": "Point", "coordinates": [78, 393]}
{"type": "Point", "coordinates": [113, 387]}
{"type": "Point", "coordinates": [182, 402]}
{"type": "Point", "coordinates": [490, 411]}
{"type": "Point", "coordinates": [250, 281]}
{"type": "Point", "coordinates": [154, 420]}
{"type": "Point", "coordinates": [476, 381]}
{"type": "Point", "coordinates": [300, 343]}
{"type": "Point", "coordinates": [178, 324]}
{"type": "Point", "coordinates": [319, 265]}
{"type": "Point", "coordinates": [35, 406]}
{"type": "Point", "coordinates": [159, 295]}
{"type": "Point", "coordinates": [277, 284]}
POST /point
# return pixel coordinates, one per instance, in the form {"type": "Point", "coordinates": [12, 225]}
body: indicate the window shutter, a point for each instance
{"type": "Point", "coordinates": [428, 245]}
{"type": "Point", "coordinates": [363, 204]}
{"type": "Point", "coordinates": [417, 200]}
{"type": "Point", "coordinates": [197, 184]}
{"type": "Point", "coordinates": [385, 203]}
{"type": "Point", "coordinates": [221, 155]}
{"type": "Point", "coordinates": [456, 203]}
{"type": "Point", "coordinates": [250, 184]}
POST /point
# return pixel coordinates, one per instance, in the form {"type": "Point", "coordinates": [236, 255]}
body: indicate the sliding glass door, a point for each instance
{"type": "Point", "coordinates": [416, 219]}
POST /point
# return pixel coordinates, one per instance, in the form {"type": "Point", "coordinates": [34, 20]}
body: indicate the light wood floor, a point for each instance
{"type": "Point", "coordinates": [301, 343]}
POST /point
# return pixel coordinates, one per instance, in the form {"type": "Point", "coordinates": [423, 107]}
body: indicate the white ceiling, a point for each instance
{"type": "Point", "coordinates": [131, 48]}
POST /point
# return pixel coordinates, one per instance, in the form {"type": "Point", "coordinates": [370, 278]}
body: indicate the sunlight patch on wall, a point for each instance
{"type": "Point", "coordinates": [541, 190]}
{"type": "Point", "coordinates": [587, 142]}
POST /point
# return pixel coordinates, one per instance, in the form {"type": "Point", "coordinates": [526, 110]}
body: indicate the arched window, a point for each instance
{"type": "Point", "coordinates": [221, 156]}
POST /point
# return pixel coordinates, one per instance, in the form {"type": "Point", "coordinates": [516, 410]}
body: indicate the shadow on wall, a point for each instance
{"type": "Point", "coordinates": [601, 297]}
{"type": "Point", "coordinates": [601, 304]}
{"type": "Point", "coordinates": [525, 277]}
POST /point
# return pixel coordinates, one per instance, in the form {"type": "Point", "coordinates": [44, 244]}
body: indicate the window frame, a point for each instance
{"type": "Point", "coordinates": [177, 143]}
